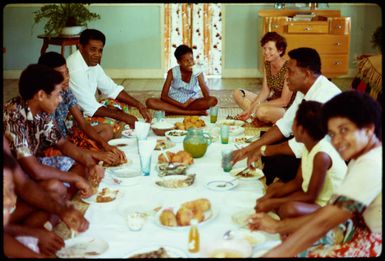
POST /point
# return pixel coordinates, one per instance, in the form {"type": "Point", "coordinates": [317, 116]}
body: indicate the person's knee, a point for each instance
{"type": "Point", "coordinates": [150, 103]}
{"type": "Point", "coordinates": [288, 209]}
{"type": "Point", "coordinates": [236, 94]}
{"type": "Point", "coordinates": [107, 132]}
{"type": "Point", "coordinates": [262, 113]}
{"type": "Point", "coordinates": [212, 101]}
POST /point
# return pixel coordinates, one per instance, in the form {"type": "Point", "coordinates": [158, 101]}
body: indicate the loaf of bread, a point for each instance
{"type": "Point", "coordinates": [168, 218]}
{"type": "Point", "coordinates": [201, 204]}
{"type": "Point", "coordinates": [184, 216]}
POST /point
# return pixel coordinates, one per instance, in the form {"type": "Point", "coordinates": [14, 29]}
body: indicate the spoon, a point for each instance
{"type": "Point", "coordinates": [226, 182]}
{"type": "Point", "coordinates": [171, 166]}
{"type": "Point", "coordinates": [227, 235]}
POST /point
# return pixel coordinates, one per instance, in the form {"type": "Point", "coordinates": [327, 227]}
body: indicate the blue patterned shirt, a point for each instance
{"type": "Point", "coordinates": [61, 112]}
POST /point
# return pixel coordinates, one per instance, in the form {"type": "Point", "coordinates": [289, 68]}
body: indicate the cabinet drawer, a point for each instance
{"type": "Point", "coordinates": [325, 44]}
{"type": "Point", "coordinates": [339, 25]}
{"type": "Point", "coordinates": [308, 27]}
{"type": "Point", "coordinates": [275, 24]}
{"type": "Point", "coordinates": [332, 64]}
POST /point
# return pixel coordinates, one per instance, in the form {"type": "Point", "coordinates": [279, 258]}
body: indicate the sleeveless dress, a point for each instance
{"type": "Point", "coordinates": [182, 91]}
{"type": "Point", "coordinates": [275, 82]}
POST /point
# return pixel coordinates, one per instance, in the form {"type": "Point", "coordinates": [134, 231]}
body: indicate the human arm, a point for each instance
{"type": "Point", "coordinates": [128, 99]}
{"type": "Point", "coordinates": [49, 243]}
{"type": "Point", "coordinates": [271, 136]}
{"type": "Point", "coordinates": [203, 85]}
{"type": "Point", "coordinates": [14, 249]}
{"type": "Point", "coordinates": [319, 223]}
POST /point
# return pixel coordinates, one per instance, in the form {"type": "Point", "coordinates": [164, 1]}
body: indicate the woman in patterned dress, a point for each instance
{"type": "Point", "coordinates": [351, 224]}
{"type": "Point", "coordinates": [270, 104]}
{"type": "Point", "coordinates": [184, 87]}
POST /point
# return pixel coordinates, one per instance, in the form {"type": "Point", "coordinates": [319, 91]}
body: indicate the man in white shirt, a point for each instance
{"type": "Point", "coordinates": [87, 76]}
{"type": "Point", "coordinates": [304, 78]}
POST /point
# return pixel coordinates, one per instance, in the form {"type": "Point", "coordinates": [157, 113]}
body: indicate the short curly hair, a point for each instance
{"type": "Point", "coordinates": [307, 58]}
{"type": "Point", "coordinates": [359, 108]}
{"type": "Point", "coordinates": [309, 116]}
{"type": "Point", "coordinates": [182, 50]}
{"type": "Point", "coordinates": [280, 41]}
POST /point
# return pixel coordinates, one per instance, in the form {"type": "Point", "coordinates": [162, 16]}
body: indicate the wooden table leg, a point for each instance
{"type": "Point", "coordinates": [44, 47]}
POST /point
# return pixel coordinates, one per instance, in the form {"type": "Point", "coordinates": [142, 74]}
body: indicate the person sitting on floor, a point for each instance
{"type": "Point", "coordinates": [322, 169]}
{"type": "Point", "coordinates": [82, 134]}
{"type": "Point", "coordinates": [27, 125]}
{"type": "Point", "coordinates": [350, 225]}
{"type": "Point", "coordinates": [279, 151]}
{"type": "Point", "coordinates": [87, 76]}
{"type": "Point", "coordinates": [181, 92]}
{"type": "Point", "coordinates": [275, 96]}
{"type": "Point", "coordinates": [26, 208]}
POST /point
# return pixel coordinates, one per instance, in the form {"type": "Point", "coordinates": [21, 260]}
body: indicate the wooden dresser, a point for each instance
{"type": "Point", "coordinates": [327, 32]}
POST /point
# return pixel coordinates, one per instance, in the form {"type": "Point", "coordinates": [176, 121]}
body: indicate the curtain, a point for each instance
{"type": "Point", "coordinates": [198, 26]}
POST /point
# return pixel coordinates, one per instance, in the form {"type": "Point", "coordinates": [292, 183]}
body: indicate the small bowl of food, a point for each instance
{"type": "Point", "coordinates": [176, 135]}
{"type": "Point", "coordinates": [161, 127]}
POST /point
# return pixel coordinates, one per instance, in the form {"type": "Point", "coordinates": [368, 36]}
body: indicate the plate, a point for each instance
{"type": "Point", "coordinates": [123, 143]}
{"type": "Point", "coordinates": [173, 182]}
{"type": "Point", "coordinates": [123, 166]}
{"type": "Point", "coordinates": [245, 140]}
{"type": "Point", "coordinates": [92, 199]}
{"type": "Point", "coordinates": [252, 237]}
{"type": "Point", "coordinates": [209, 215]}
{"type": "Point", "coordinates": [176, 135]}
{"type": "Point", "coordinates": [217, 184]}
{"type": "Point", "coordinates": [81, 247]}
{"type": "Point", "coordinates": [229, 122]}
{"type": "Point", "coordinates": [163, 170]}
{"type": "Point", "coordinates": [251, 174]}
{"type": "Point", "coordinates": [234, 130]}
{"type": "Point", "coordinates": [165, 143]}
{"type": "Point", "coordinates": [241, 218]}
{"type": "Point", "coordinates": [172, 252]}
{"type": "Point", "coordinates": [125, 173]}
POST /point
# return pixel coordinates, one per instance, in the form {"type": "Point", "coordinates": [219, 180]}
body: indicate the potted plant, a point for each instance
{"type": "Point", "coordinates": [61, 16]}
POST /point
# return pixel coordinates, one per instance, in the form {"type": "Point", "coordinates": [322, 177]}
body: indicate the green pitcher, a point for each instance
{"type": "Point", "coordinates": [196, 142]}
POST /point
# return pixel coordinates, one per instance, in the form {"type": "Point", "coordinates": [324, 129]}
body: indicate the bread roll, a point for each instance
{"type": "Point", "coordinates": [184, 216]}
{"type": "Point", "coordinates": [199, 215]}
{"type": "Point", "coordinates": [162, 158]}
{"type": "Point", "coordinates": [167, 218]}
{"type": "Point", "coordinates": [202, 204]}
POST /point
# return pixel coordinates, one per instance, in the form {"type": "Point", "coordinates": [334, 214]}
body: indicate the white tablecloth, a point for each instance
{"type": "Point", "coordinates": [107, 223]}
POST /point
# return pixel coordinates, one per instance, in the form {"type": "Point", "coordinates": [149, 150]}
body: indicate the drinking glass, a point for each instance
{"type": "Point", "coordinates": [214, 114]}
{"type": "Point", "coordinates": [225, 133]}
{"type": "Point", "coordinates": [226, 160]}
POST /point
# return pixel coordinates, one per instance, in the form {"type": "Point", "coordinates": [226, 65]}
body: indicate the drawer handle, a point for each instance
{"type": "Point", "coordinates": [307, 28]}
{"type": "Point", "coordinates": [338, 26]}
{"type": "Point", "coordinates": [275, 26]}
{"type": "Point", "coordinates": [337, 62]}
{"type": "Point", "coordinates": [338, 44]}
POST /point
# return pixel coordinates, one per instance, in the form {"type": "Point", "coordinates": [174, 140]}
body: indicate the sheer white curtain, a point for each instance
{"type": "Point", "coordinates": [198, 26]}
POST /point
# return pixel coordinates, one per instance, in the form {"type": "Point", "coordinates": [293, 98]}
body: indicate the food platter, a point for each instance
{"type": "Point", "coordinates": [83, 247]}
{"type": "Point", "coordinates": [114, 194]}
{"type": "Point", "coordinates": [173, 182]}
{"type": "Point", "coordinates": [230, 122]}
{"type": "Point", "coordinates": [150, 251]}
{"type": "Point", "coordinates": [244, 141]}
{"type": "Point", "coordinates": [234, 131]}
{"type": "Point", "coordinates": [164, 143]}
{"type": "Point", "coordinates": [247, 175]}
{"type": "Point", "coordinates": [163, 169]}
{"type": "Point", "coordinates": [176, 135]}
{"type": "Point", "coordinates": [209, 215]}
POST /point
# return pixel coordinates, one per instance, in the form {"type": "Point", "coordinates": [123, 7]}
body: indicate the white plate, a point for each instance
{"type": "Point", "coordinates": [257, 174]}
{"type": "Point", "coordinates": [123, 143]}
{"type": "Point", "coordinates": [168, 144]}
{"type": "Point", "coordinates": [241, 218]}
{"type": "Point", "coordinates": [209, 215]}
{"type": "Point", "coordinates": [230, 122]}
{"type": "Point", "coordinates": [125, 173]}
{"type": "Point", "coordinates": [111, 180]}
{"type": "Point", "coordinates": [234, 131]}
{"type": "Point", "coordinates": [92, 199]}
{"type": "Point", "coordinates": [216, 184]}
{"type": "Point", "coordinates": [171, 251]}
{"type": "Point", "coordinates": [81, 247]}
{"type": "Point", "coordinates": [174, 178]}
{"type": "Point", "coordinates": [254, 238]}
{"type": "Point", "coordinates": [174, 138]}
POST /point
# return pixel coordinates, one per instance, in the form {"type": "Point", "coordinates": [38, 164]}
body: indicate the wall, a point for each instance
{"type": "Point", "coordinates": [134, 47]}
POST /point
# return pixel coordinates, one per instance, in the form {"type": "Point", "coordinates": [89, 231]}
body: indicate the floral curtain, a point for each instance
{"type": "Point", "coordinates": [198, 26]}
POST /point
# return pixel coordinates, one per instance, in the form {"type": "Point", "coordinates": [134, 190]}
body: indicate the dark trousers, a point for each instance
{"type": "Point", "coordinates": [283, 167]}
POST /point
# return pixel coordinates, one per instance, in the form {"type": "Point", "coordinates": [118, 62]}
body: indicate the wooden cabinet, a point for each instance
{"type": "Point", "coordinates": [327, 32]}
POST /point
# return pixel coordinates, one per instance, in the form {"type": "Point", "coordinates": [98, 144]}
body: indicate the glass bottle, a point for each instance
{"type": "Point", "coordinates": [193, 237]}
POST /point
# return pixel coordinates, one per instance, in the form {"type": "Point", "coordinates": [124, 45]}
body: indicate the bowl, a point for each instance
{"type": "Point", "coordinates": [176, 135]}
{"type": "Point", "coordinates": [160, 128]}
{"type": "Point", "coordinates": [232, 248]}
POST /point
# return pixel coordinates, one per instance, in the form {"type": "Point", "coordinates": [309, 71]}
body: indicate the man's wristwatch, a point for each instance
{"type": "Point", "coordinates": [263, 150]}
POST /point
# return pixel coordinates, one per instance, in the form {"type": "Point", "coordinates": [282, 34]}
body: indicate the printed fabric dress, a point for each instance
{"type": "Point", "coordinates": [180, 90]}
